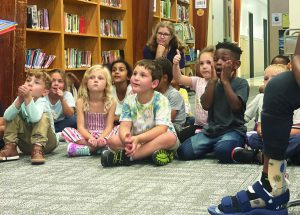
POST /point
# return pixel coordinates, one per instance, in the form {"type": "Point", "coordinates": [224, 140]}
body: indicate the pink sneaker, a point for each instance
{"type": "Point", "coordinates": [75, 150]}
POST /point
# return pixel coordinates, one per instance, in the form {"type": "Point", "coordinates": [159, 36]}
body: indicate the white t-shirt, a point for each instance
{"type": "Point", "coordinates": [119, 102]}
{"type": "Point", "coordinates": [57, 110]}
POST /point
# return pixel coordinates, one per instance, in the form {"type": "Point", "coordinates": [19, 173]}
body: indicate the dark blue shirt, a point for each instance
{"type": "Point", "coordinates": [171, 54]}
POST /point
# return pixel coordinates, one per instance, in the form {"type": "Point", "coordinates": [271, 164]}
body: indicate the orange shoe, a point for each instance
{"type": "Point", "coordinates": [9, 152]}
{"type": "Point", "coordinates": [37, 155]}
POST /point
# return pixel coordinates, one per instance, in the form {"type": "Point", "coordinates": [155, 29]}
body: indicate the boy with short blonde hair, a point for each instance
{"type": "Point", "coordinates": [29, 122]}
{"type": "Point", "coordinates": [145, 123]}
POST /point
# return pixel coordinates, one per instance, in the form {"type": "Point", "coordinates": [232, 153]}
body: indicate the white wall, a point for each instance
{"type": "Point", "coordinates": [259, 9]}
{"type": "Point", "coordinates": [215, 22]}
{"type": "Point", "coordinates": [294, 7]}
{"type": "Point", "coordinates": [216, 31]}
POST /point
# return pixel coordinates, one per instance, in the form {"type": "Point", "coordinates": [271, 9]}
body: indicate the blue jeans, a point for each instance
{"type": "Point", "coordinates": [66, 122]}
{"type": "Point", "coordinates": [255, 142]}
{"type": "Point", "coordinates": [222, 146]}
{"type": "Point", "coordinates": [281, 98]}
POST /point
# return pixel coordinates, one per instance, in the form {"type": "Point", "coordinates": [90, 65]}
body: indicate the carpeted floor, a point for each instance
{"type": "Point", "coordinates": [80, 186]}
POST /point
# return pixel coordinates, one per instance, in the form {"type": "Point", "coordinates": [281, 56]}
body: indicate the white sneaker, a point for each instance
{"type": "Point", "coordinates": [60, 137]}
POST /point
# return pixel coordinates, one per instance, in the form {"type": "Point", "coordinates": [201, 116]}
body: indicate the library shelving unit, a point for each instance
{"type": "Point", "coordinates": [171, 10]}
{"type": "Point", "coordinates": [56, 40]}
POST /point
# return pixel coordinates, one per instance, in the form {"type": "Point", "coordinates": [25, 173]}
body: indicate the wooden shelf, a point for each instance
{"type": "Point", "coordinates": [80, 35]}
{"type": "Point", "coordinates": [110, 8]}
{"type": "Point", "coordinates": [56, 40]}
{"type": "Point", "coordinates": [30, 30]}
{"type": "Point", "coordinates": [113, 38]}
{"type": "Point", "coordinates": [94, 2]}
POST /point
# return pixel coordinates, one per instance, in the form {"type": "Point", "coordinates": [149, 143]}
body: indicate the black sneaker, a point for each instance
{"type": "Point", "coordinates": [118, 158]}
{"type": "Point", "coordinates": [247, 156]}
{"type": "Point", "coordinates": [162, 157]}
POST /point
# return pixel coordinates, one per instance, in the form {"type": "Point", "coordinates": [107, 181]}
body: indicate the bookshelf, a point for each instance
{"type": "Point", "coordinates": [160, 13]}
{"type": "Point", "coordinates": [180, 12]}
{"type": "Point", "coordinates": [84, 34]}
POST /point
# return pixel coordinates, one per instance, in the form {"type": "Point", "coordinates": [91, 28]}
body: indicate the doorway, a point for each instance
{"type": "Point", "coordinates": [251, 49]}
{"type": "Point", "coordinates": [265, 29]}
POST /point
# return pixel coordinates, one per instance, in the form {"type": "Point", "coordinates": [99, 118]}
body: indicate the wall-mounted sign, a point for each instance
{"type": "Point", "coordinates": [276, 19]}
{"type": "Point", "coordinates": [285, 20]}
{"type": "Point", "coordinates": [200, 12]}
{"type": "Point", "coordinates": [200, 4]}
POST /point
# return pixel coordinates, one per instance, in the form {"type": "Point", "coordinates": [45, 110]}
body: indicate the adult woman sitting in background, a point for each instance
{"type": "Point", "coordinates": [163, 43]}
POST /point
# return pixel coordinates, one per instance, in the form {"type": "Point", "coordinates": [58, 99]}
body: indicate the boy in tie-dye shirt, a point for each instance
{"type": "Point", "coordinates": [145, 123]}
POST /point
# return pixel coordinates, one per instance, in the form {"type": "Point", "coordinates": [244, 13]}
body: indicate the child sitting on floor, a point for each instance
{"type": "Point", "coordinates": [198, 84]}
{"type": "Point", "coordinates": [225, 99]}
{"type": "Point", "coordinates": [29, 121]}
{"type": "Point", "coordinates": [145, 123]}
{"type": "Point", "coordinates": [95, 113]}
{"type": "Point", "coordinates": [61, 102]}
{"type": "Point", "coordinates": [190, 119]}
{"type": "Point", "coordinates": [253, 152]}
{"type": "Point", "coordinates": [175, 99]}
{"type": "Point", "coordinates": [121, 73]}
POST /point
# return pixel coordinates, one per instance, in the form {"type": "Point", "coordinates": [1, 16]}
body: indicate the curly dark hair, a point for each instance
{"type": "Point", "coordinates": [128, 67]}
{"type": "Point", "coordinates": [233, 47]}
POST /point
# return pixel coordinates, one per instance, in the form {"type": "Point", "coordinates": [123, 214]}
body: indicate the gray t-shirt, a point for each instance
{"type": "Point", "coordinates": [221, 118]}
{"type": "Point", "coordinates": [177, 103]}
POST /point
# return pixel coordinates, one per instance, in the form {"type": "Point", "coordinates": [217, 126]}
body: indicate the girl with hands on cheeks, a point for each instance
{"type": "Point", "coordinates": [61, 102]}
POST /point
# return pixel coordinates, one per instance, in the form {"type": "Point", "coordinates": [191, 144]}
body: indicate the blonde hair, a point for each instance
{"type": "Point", "coordinates": [83, 91]}
{"type": "Point", "coordinates": [175, 42]}
{"type": "Point", "coordinates": [276, 68]}
{"type": "Point", "coordinates": [41, 74]}
{"type": "Point", "coordinates": [208, 49]}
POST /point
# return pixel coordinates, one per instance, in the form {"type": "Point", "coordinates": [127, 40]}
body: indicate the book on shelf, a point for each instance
{"type": "Point", "coordinates": [165, 6]}
{"type": "Point", "coordinates": [82, 28]}
{"type": "Point", "coordinates": [111, 28]}
{"type": "Point", "coordinates": [37, 18]}
{"type": "Point", "coordinates": [6, 26]}
{"type": "Point", "coordinates": [112, 3]}
{"type": "Point", "coordinates": [182, 13]}
{"type": "Point", "coordinates": [112, 55]}
{"type": "Point", "coordinates": [37, 59]}
{"type": "Point", "coordinates": [75, 58]}
{"type": "Point", "coordinates": [74, 23]}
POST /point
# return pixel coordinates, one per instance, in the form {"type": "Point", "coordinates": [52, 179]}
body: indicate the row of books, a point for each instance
{"type": "Point", "coordinates": [37, 18]}
{"type": "Point", "coordinates": [189, 31]}
{"type": "Point", "coordinates": [111, 28]}
{"type": "Point", "coordinates": [75, 58]}
{"type": "Point", "coordinates": [74, 23]}
{"type": "Point", "coordinates": [184, 1]}
{"type": "Point", "coordinates": [165, 8]}
{"type": "Point", "coordinates": [182, 13]}
{"type": "Point", "coordinates": [37, 59]}
{"type": "Point", "coordinates": [190, 54]}
{"type": "Point", "coordinates": [110, 56]}
{"type": "Point", "coordinates": [6, 26]}
{"type": "Point", "coordinates": [112, 3]}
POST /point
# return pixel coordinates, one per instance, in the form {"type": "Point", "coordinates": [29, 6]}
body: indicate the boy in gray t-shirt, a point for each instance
{"type": "Point", "coordinates": [175, 99]}
{"type": "Point", "coordinates": [225, 99]}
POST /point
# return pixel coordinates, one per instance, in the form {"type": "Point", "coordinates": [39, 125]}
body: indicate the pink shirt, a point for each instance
{"type": "Point", "coordinates": [198, 85]}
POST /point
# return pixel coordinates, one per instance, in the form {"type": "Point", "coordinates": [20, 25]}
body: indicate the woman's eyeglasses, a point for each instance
{"type": "Point", "coordinates": [163, 34]}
